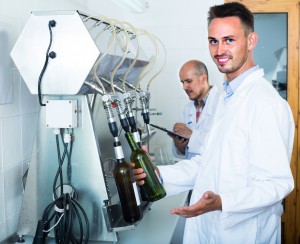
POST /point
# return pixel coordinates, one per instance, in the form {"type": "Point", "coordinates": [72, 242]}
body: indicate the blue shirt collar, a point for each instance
{"type": "Point", "coordinates": [231, 87]}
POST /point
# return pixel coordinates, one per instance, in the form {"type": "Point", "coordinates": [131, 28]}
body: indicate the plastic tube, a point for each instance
{"type": "Point", "coordinates": [124, 55]}
{"type": "Point", "coordinates": [113, 37]}
{"type": "Point", "coordinates": [164, 63]}
{"type": "Point", "coordinates": [148, 67]}
{"type": "Point", "coordinates": [133, 29]}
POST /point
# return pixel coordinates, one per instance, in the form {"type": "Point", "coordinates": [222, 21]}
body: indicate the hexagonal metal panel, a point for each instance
{"type": "Point", "coordinates": [76, 52]}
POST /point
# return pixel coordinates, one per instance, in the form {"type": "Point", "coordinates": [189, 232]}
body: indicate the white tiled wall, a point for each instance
{"type": "Point", "coordinates": [181, 26]}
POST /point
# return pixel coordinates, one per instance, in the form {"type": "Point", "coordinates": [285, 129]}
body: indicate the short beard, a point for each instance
{"type": "Point", "coordinates": [233, 69]}
{"type": "Point", "coordinates": [197, 98]}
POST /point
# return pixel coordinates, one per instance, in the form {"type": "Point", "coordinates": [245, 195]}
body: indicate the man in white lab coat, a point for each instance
{"type": "Point", "coordinates": [243, 174]}
{"type": "Point", "coordinates": [198, 113]}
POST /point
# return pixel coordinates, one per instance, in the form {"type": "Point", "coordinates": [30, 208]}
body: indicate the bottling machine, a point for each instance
{"type": "Point", "coordinates": [71, 61]}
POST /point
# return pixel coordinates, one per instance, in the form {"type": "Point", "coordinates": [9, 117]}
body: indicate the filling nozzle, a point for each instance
{"type": "Point", "coordinates": [129, 98]}
{"type": "Point", "coordinates": [144, 99]}
{"type": "Point", "coordinates": [107, 104]}
{"type": "Point", "coordinates": [121, 114]}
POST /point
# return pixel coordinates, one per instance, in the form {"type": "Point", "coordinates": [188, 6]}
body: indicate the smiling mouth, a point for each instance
{"type": "Point", "coordinates": [222, 60]}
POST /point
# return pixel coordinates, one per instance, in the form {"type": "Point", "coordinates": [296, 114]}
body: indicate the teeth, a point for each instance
{"type": "Point", "coordinates": [223, 59]}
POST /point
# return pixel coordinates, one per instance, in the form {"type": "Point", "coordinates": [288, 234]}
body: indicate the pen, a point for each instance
{"type": "Point", "coordinates": [188, 123]}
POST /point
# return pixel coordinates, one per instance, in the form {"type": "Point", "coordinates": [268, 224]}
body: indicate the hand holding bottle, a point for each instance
{"type": "Point", "coordinates": [139, 174]}
{"type": "Point", "coordinates": [152, 187]}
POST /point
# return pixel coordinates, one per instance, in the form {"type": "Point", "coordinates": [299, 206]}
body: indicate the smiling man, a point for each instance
{"type": "Point", "coordinates": [231, 44]}
{"type": "Point", "coordinates": [243, 175]}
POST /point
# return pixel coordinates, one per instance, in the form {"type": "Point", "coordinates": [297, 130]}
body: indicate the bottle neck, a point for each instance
{"type": "Point", "coordinates": [136, 137]}
{"type": "Point", "coordinates": [131, 141]}
{"type": "Point", "coordinates": [118, 151]}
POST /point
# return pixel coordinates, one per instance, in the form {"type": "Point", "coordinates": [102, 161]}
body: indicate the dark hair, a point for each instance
{"type": "Point", "coordinates": [233, 9]}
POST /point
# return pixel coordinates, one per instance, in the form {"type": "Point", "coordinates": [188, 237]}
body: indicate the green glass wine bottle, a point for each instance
{"type": "Point", "coordinates": [127, 188]}
{"type": "Point", "coordinates": [153, 189]}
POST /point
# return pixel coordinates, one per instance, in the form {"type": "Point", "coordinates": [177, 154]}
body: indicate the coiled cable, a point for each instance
{"type": "Point", "coordinates": [64, 210]}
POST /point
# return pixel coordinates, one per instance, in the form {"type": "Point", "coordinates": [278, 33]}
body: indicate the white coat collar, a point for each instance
{"type": "Point", "coordinates": [243, 89]}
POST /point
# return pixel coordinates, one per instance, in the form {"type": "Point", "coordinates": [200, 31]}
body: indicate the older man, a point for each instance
{"type": "Point", "coordinates": [198, 113]}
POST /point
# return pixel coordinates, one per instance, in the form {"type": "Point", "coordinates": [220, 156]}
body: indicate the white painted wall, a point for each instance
{"type": "Point", "coordinates": [181, 25]}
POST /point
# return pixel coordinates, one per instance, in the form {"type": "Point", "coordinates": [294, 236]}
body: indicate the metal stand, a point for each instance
{"type": "Point", "coordinates": [88, 177]}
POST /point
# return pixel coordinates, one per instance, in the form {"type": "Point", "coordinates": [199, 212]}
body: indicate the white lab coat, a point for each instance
{"type": "Point", "coordinates": [246, 161]}
{"type": "Point", "coordinates": [200, 129]}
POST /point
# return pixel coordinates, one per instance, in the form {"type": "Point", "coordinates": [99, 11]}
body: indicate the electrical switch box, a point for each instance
{"type": "Point", "coordinates": [61, 113]}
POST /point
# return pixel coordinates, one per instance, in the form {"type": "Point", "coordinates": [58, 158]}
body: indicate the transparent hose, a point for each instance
{"type": "Point", "coordinates": [133, 29]}
{"type": "Point", "coordinates": [148, 67]}
{"type": "Point", "coordinates": [124, 54]}
{"type": "Point", "coordinates": [163, 65]}
{"type": "Point", "coordinates": [113, 37]}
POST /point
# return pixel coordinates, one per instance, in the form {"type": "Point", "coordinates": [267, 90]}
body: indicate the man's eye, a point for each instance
{"type": "Point", "coordinates": [229, 40]}
{"type": "Point", "coordinates": [213, 42]}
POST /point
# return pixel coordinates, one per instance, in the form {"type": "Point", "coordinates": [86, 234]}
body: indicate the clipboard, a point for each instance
{"type": "Point", "coordinates": [170, 132]}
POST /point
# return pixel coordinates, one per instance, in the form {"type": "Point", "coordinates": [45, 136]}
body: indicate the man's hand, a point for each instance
{"type": "Point", "coordinates": [182, 129]}
{"type": "Point", "coordinates": [209, 202]}
{"type": "Point", "coordinates": [180, 144]}
{"type": "Point", "coordinates": [139, 174]}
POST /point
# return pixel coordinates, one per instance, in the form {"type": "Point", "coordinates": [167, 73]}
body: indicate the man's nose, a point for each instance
{"type": "Point", "coordinates": [221, 48]}
{"type": "Point", "coordinates": [185, 85]}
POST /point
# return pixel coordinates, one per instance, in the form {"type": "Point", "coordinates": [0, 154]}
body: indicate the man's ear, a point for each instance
{"type": "Point", "coordinates": [252, 40]}
{"type": "Point", "coordinates": [203, 77]}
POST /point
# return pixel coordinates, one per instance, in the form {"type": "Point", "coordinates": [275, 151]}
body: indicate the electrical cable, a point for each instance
{"type": "Point", "coordinates": [64, 210]}
{"type": "Point", "coordinates": [69, 166]}
{"type": "Point", "coordinates": [55, 224]}
{"type": "Point", "coordinates": [59, 170]}
{"type": "Point", "coordinates": [51, 24]}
